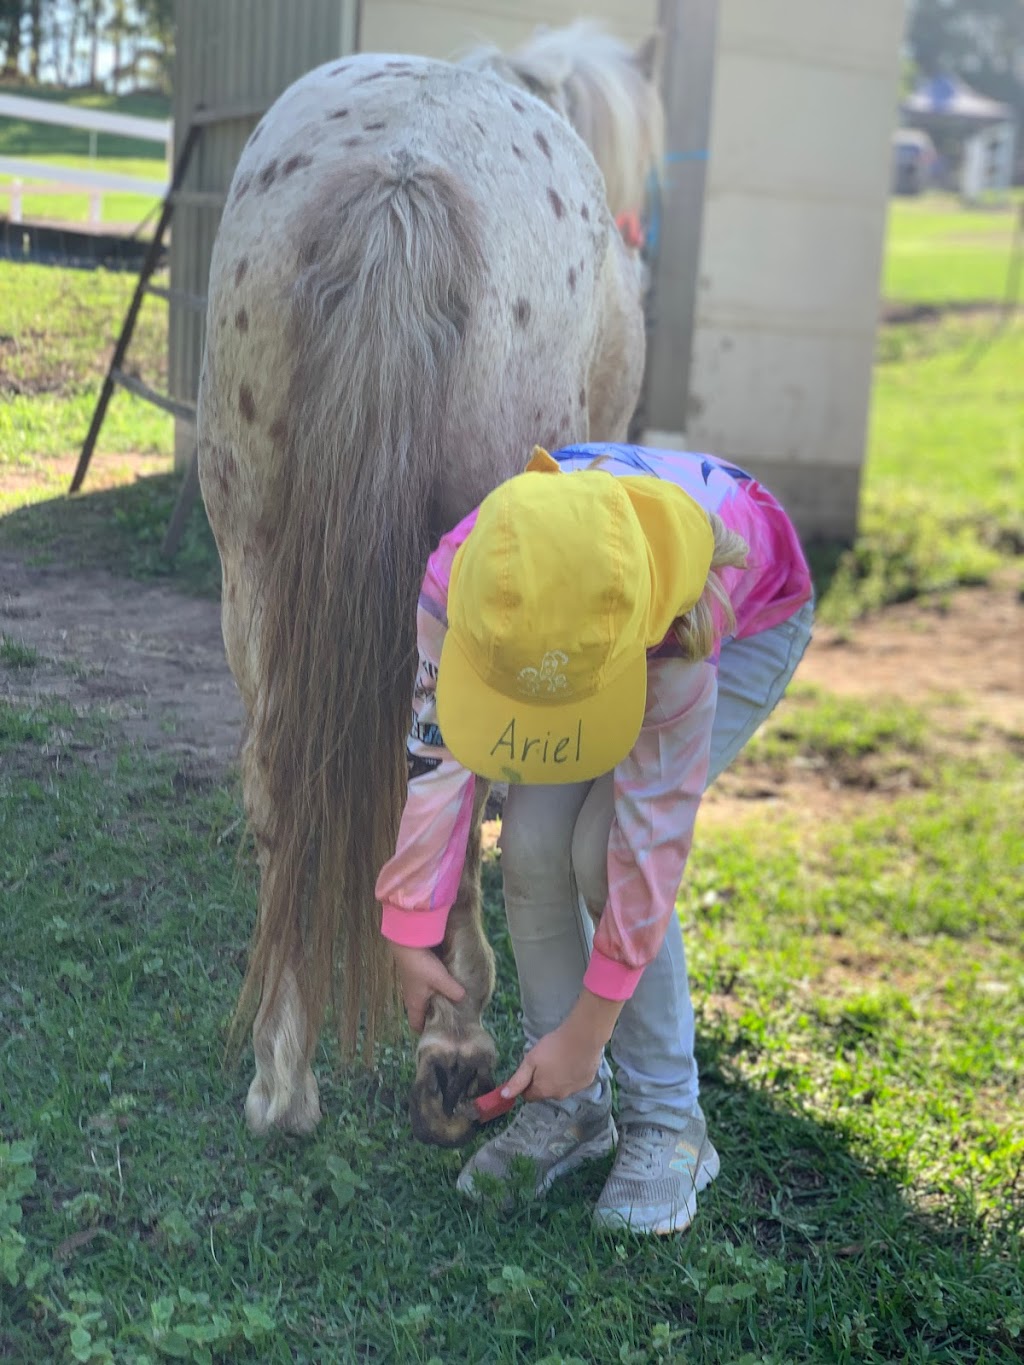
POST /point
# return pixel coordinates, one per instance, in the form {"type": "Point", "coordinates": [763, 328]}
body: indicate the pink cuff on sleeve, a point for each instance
{"type": "Point", "coordinates": [610, 979]}
{"type": "Point", "coordinates": [414, 928]}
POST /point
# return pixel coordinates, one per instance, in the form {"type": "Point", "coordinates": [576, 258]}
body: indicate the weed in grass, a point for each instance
{"type": "Point", "coordinates": [16, 654]}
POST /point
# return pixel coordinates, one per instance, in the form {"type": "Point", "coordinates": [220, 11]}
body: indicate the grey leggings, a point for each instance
{"type": "Point", "coordinates": [554, 847]}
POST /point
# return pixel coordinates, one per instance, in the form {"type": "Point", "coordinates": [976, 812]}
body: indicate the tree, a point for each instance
{"type": "Point", "coordinates": [980, 40]}
{"type": "Point", "coordinates": [12, 12]}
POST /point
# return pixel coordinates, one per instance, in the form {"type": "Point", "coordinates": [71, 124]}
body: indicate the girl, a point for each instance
{"type": "Point", "coordinates": [604, 634]}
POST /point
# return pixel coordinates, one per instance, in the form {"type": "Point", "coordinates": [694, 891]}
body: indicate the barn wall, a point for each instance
{"type": "Point", "coordinates": [237, 54]}
{"type": "Point", "coordinates": [794, 217]}
{"type": "Point", "coordinates": [444, 30]}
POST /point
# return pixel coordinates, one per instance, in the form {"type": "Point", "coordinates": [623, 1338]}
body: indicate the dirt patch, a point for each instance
{"type": "Point", "coordinates": [105, 471]}
{"type": "Point", "coordinates": [962, 658]}
{"type": "Point", "coordinates": [154, 660]}
{"type": "Point", "coordinates": [147, 656]}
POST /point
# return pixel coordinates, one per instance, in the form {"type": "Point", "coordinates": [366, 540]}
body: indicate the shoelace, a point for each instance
{"type": "Point", "coordinates": [528, 1125]}
{"type": "Point", "coordinates": [639, 1151]}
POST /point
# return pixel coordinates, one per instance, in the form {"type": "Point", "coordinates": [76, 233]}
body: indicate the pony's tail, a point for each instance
{"type": "Point", "coordinates": [389, 269]}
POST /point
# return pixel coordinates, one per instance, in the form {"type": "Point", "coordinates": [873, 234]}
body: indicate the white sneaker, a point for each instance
{"type": "Point", "coordinates": [657, 1176]}
{"type": "Point", "coordinates": [556, 1137]}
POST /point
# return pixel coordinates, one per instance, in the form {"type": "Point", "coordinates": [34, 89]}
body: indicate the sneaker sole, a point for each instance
{"type": "Point", "coordinates": [664, 1219]}
{"type": "Point", "coordinates": [586, 1151]}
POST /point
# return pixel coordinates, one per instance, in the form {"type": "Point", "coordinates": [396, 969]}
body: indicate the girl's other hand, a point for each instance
{"type": "Point", "coordinates": [423, 974]}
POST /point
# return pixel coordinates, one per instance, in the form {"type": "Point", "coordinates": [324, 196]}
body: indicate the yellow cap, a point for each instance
{"type": "Point", "coordinates": [555, 597]}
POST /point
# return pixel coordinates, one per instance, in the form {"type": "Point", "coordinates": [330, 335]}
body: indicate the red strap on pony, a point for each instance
{"type": "Point", "coordinates": [631, 229]}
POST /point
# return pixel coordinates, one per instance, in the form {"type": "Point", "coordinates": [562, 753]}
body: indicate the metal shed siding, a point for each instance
{"type": "Point", "coordinates": [241, 54]}
{"type": "Point", "coordinates": [445, 30]}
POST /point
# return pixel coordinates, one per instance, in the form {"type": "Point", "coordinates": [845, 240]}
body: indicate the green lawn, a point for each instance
{"type": "Point", "coordinates": [861, 1028]}
{"type": "Point", "coordinates": [59, 330]}
{"type": "Point", "coordinates": [938, 252]}
{"type": "Point", "coordinates": [58, 146]}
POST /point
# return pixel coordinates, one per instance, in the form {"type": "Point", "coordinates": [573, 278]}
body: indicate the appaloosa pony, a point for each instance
{"type": "Point", "coordinates": [416, 279]}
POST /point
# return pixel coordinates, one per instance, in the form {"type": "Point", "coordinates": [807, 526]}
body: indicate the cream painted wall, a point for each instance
{"type": "Point", "coordinates": [797, 184]}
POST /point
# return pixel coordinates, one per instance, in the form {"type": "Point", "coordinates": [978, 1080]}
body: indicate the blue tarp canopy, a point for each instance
{"type": "Point", "coordinates": [947, 102]}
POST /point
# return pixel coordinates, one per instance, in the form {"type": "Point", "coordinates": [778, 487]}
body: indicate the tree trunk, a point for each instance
{"type": "Point", "coordinates": [12, 12]}
{"type": "Point", "coordinates": [94, 41]}
{"type": "Point", "coordinates": [36, 10]}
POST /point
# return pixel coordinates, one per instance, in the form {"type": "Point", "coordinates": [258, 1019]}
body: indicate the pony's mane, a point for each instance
{"type": "Point", "coordinates": [605, 89]}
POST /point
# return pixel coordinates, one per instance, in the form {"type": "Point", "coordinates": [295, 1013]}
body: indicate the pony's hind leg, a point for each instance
{"type": "Point", "coordinates": [456, 1055]}
{"type": "Point", "coordinates": [284, 1092]}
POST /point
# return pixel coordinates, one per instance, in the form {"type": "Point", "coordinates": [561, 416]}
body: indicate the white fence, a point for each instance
{"type": "Point", "coordinates": [34, 177]}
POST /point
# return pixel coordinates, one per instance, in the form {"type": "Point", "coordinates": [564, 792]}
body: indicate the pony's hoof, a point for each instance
{"type": "Point", "coordinates": [267, 1107]}
{"type": "Point", "coordinates": [449, 1076]}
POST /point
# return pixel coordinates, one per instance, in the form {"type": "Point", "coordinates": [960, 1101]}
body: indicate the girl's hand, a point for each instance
{"type": "Point", "coordinates": [567, 1059]}
{"type": "Point", "coordinates": [423, 974]}
{"type": "Point", "coordinates": [557, 1067]}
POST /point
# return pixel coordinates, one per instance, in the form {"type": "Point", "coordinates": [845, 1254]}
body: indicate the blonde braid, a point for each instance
{"type": "Point", "coordinates": [695, 631]}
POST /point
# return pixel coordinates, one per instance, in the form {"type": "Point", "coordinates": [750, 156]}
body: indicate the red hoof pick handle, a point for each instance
{"type": "Point", "coordinates": [493, 1105]}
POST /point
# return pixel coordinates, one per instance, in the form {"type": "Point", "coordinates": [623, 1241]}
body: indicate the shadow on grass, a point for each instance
{"type": "Point", "coordinates": [808, 1246]}
{"type": "Point", "coordinates": [121, 531]}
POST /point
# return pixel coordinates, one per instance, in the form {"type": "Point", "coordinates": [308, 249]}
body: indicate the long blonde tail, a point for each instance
{"type": "Point", "coordinates": [389, 271]}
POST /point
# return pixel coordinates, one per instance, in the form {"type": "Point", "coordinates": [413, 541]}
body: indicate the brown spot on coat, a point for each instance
{"type": "Point", "coordinates": [296, 163]}
{"type": "Point", "coordinates": [353, 142]}
{"type": "Point", "coordinates": [572, 278]}
{"type": "Point", "coordinates": [518, 151]}
{"type": "Point", "coordinates": [542, 143]}
{"type": "Point", "coordinates": [374, 127]}
{"type": "Point", "coordinates": [242, 187]}
{"type": "Point", "coordinates": [246, 403]}
{"type": "Point", "coordinates": [279, 431]}
{"type": "Point", "coordinates": [583, 398]}
{"type": "Point", "coordinates": [240, 270]}
{"type": "Point", "coordinates": [373, 76]}
{"type": "Point", "coordinates": [522, 311]}
{"type": "Point", "coordinates": [268, 175]}
{"type": "Point", "coordinates": [224, 468]}
{"type": "Point", "coordinates": [585, 213]}
{"type": "Point", "coordinates": [339, 113]}
{"type": "Point", "coordinates": [337, 70]}
{"type": "Point", "coordinates": [242, 320]}
{"type": "Point", "coordinates": [518, 106]}
{"type": "Point", "coordinates": [556, 202]}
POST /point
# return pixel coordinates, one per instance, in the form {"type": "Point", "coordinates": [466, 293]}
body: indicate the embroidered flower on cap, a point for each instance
{"type": "Point", "coordinates": [533, 681]}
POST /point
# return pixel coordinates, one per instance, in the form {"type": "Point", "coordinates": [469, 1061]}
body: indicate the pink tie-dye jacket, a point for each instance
{"type": "Point", "coordinates": [657, 787]}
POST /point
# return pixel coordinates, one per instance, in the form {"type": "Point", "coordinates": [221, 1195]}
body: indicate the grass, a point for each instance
{"type": "Point", "coordinates": [57, 146]}
{"type": "Point", "coordinates": [937, 252]}
{"type": "Point", "coordinates": [860, 1030]}
{"type": "Point", "coordinates": [59, 330]}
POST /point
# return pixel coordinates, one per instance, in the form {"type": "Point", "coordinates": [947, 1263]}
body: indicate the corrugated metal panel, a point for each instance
{"type": "Point", "coordinates": [445, 29]}
{"type": "Point", "coordinates": [229, 53]}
